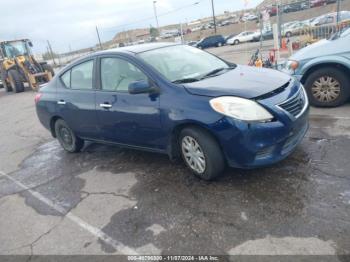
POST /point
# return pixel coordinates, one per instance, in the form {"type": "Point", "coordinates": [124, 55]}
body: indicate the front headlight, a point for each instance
{"type": "Point", "coordinates": [240, 108]}
{"type": "Point", "coordinates": [292, 66]}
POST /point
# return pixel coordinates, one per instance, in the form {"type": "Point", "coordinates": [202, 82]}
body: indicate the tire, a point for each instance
{"type": "Point", "coordinates": [49, 68]}
{"type": "Point", "coordinates": [66, 137]}
{"type": "Point", "coordinates": [236, 42]}
{"type": "Point", "coordinates": [209, 150]}
{"type": "Point", "coordinates": [219, 44]}
{"type": "Point", "coordinates": [288, 34]}
{"type": "Point", "coordinates": [15, 81]}
{"type": "Point", "coordinates": [314, 86]}
{"type": "Point", "coordinates": [3, 80]}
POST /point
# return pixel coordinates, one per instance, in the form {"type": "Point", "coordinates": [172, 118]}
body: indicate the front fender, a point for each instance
{"type": "Point", "coordinates": [324, 60]}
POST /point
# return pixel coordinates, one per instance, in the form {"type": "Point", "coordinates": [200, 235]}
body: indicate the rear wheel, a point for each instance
{"type": "Point", "coordinates": [288, 34]}
{"type": "Point", "coordinates": [201, 153]}
{"type": "Point", "coordinates": [219, 44]}
{"type": "Point", "coordinates": [328, 87]}
{"type": "Point", "coordinates": [66, 137]}
{"type": "Point", "coordinates": [3, 80]}
{"type": "Point", "coordinates": [15, 81]}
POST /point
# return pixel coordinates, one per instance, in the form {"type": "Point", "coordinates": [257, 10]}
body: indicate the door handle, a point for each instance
{"type": "Point", "coordinates": [105, 105]}
{"type": "Point", "coordinates": [61, 102]}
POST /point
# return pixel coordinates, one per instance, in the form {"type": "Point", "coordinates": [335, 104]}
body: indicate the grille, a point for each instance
{"type": "Point", "coordinates": [294, 105]}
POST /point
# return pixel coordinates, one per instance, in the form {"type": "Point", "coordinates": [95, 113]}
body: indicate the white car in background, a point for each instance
{"type": "Point", "coordinates": [245, 36]}
{"type": "Point", "coordinates": [197, 28]}
{"type": "Point", "coordinates": [249, 17]}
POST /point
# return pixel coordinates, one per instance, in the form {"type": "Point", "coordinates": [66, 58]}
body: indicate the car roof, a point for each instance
{"type": "Point", "coordinates": [135, 49]}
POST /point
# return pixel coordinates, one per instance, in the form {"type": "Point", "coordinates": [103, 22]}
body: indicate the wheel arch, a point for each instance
{"type": "Point", "coordinates": [52, 125]}
{"type": "Point", "coordinates": [320, 65]}
{"type": "Point", "coordinates": [173, 145]}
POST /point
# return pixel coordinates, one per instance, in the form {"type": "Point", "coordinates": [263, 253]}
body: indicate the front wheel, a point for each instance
{"type": "Point", "coordinates": [327, 87]}
{"type": "Point", "coordinates": [219, 44]}
{"type": "Point", "coordinates": [201, 153]}
{"type": "Point", "coordinates": [15, 81]}
{"type": "Point", "coordinates": [66, 137]}
{"type": "Point", "coordinates": [236, 42]}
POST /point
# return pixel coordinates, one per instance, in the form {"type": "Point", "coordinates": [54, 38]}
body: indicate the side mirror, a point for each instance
{"type": "Point", "coordinates": [141, 87]}
{"type": "Point", "coordinates": [30, 43]}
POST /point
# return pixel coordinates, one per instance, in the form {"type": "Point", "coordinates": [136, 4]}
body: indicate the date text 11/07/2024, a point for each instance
{"type": "Point", "coordinates": [173, 258]}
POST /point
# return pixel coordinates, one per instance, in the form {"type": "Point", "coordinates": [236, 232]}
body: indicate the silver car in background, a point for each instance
{"type": "Point", "coordinates": [324, 69]}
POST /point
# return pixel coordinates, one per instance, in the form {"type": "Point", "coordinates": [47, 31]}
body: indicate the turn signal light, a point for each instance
{"type": "Point", "coordinates": [294, 65]}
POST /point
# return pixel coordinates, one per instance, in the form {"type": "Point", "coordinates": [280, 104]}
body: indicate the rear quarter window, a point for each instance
{"type": "Point", "coordinates": [66, 79]}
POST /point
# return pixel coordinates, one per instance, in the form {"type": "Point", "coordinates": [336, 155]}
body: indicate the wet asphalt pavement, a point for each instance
{"type": "Point", "coordinates": [108, 200]}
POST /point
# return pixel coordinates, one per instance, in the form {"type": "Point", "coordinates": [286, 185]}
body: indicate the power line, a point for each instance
{"type": "Point", "coordinates": [150, 17]}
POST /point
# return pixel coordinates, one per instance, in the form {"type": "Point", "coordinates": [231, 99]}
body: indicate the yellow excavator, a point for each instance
{"type": "Point", "coordinates": [18, 66]}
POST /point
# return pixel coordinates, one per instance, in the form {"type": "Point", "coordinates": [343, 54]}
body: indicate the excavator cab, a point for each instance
{"type": "Point", "coordinates": [18, 65]}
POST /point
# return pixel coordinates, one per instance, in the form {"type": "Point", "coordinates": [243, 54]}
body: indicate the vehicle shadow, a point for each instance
{"type": "Point", "coordinates": [292, 198]}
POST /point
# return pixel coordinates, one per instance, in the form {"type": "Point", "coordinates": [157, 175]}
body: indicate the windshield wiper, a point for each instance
{"type": "Point", "coordinates": [216, 71]}
{"type": "Point", "coordinates": [185, 80]}
{"type": "Point", "coordinates": [211, 73]}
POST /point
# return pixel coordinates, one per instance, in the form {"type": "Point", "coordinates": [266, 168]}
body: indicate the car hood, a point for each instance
{"type": "Point", "coordinates": [311, 51]}
{"type": "Point", "coordinates": [243, 81]}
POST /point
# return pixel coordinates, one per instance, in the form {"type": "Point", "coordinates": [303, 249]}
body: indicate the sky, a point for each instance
{"type": "Point", "coordinates": [71, 24]}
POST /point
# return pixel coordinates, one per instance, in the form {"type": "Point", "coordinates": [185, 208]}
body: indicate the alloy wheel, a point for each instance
{"type": "Point", "coordinates": [66, 136]}
{"type": "Point", "coordinates": [193, 154]}
{"type": "Point", "coordinates": [326, 89]}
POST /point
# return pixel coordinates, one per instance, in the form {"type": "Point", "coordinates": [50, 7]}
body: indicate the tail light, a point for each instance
{"type": "Point", "coordinates": [37, 97]}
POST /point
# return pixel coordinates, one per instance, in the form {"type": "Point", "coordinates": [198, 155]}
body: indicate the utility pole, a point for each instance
{"type": "Point", "coordinates": [338, 13]}
{"type": "Point", "coordinates": [99, 39]}
{"type": "Point", "coordinates": [50, 51]}
{"type": "Point", "coordinates": [155, 13]}
{"type": "Point", "coordinates": [278, 19]}
{"type": "Point", "coordinates": [182, 34]}
{"type": "Point", "coordinates": [214, 20]}
{"type": "Point", "coordinates": [261, 27]}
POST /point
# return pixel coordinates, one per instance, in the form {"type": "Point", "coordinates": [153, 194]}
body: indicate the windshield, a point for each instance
{"type": "Point", "coordinates": [182, 62]}
{"type": "Point", "coordinates": [345, 33]}
{"type": "Point", "coordinates": [341, 34]}
{"type": "Point", "coordinates": [13, 49]}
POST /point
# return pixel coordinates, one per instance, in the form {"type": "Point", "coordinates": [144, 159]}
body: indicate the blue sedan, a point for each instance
{"type": "Point", "coordinates": [177, 100]}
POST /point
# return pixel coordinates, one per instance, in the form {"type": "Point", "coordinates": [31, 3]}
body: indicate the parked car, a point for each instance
{"type": "Point", "coordinates": [331, 18]}
{"type": "Point", "coordinates": [245, 36]}
{"type": "Point", "coordinates": [192, 43]}
{"type": "Point", "coordinates": [295, 7]}
{"type": "Point", "coordinates": [266, 35]}
{"type": "Point", "coordinates": [249, 18]}
{"type": "Point", "coordinates": [316, 3]}
{"type": "Point", "coordinates": [176, 100]}
{"type": "Point", "coordinates": [211, 41]}
{"type": "Point", "coordinates": [294, 29]}
{"type": "Point", "coordinates": [324, 69]}
{"type": "Point", "coordinates": [197, 28]}
{"type": "Point", "coordinates": [229, 37]}
{"type": "Point", "coordinates": [272, 10]}
{"type": "Point", "coordinates": [225, 23]}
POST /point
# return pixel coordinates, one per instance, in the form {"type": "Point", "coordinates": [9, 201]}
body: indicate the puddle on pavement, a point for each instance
{"type": "Point", "coordinates": [174, 211]}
